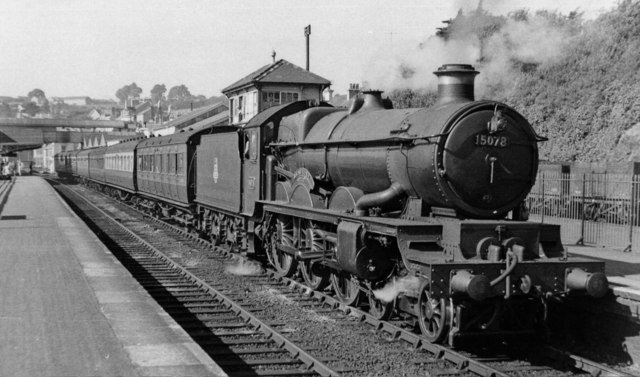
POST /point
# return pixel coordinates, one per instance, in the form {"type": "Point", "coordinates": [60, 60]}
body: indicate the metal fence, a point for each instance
{"type": "Point", "coordinates": [592, 209]}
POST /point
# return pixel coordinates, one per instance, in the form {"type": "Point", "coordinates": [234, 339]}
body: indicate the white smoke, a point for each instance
{"type": "Point", "coordinates": [536, 40]}
{"type": "Point", "coordinates": [393, 288]}
{"type": "Point", "coordinates": [412, 67]}
{"type": "Point", "coordinates": [243, 267]}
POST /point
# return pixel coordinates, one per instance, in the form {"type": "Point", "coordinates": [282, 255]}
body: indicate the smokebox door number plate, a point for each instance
{"type": "Point", "coordinates": [484, 140]}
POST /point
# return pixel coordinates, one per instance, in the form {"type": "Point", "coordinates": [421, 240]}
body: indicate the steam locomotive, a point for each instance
{"type": "Point", "coordinates": [424, 202]}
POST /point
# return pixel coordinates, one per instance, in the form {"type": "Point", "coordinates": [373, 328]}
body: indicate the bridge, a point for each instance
{"type": "Point", "coordinates": [23, 134]}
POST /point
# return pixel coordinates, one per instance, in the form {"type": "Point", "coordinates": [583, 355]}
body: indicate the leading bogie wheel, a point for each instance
{"type": "Point", "coordinates": [283, 234]}
{"type": "Point", "coordinates": [434, 316]}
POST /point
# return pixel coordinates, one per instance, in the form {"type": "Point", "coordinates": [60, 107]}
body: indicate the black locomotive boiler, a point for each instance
{"type": "Point", "coordinates": [426, 200]}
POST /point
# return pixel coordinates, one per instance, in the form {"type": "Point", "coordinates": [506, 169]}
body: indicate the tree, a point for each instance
{"type": "Point", "coordinates": [157, 93]}
{"type": "Point", "coordinates": [179, 94]}
{"type": "Point", "coordinates": [127, 91]}
{"type": "Point", "coordinates": [5, 111]}
{"type": "Point", "coordinates": [38, 93]}
{"type": "Point", "coordinates": [30, 108]}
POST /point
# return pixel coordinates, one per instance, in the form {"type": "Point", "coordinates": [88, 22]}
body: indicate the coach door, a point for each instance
{"type": "Point", "coordinates": [251, 170]}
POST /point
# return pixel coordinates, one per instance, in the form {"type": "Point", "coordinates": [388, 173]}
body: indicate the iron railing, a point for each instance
{"type": "Point", "coordinates": [592, 209]}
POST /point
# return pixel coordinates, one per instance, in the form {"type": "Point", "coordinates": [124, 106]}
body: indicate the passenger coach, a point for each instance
{"type": "Point", "coordinates": [166, 175]}
{"type": "Point", "coordinates": [120, 168]}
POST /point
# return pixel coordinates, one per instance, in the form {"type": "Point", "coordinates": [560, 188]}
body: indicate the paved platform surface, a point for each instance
{"type": "Point", "coordinates": [622, 269]}
{"type": "Point", "coordinates": [69, 308]}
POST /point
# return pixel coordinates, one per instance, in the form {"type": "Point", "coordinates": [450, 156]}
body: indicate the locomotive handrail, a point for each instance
{"type": "Point", "coordinates": [357, 142]}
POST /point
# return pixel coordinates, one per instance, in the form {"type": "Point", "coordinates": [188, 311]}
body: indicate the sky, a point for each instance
{"type": "Point", "coordinates": [94, 47]}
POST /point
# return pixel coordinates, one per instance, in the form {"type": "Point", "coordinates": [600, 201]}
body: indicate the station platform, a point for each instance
{"type": "Point", "coordinates": [622, 269]}
{"type": "Point", "coordinates": [69, 308]}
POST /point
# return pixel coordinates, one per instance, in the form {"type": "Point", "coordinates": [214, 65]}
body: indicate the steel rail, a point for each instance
{"type": "Point", "coordinates": [463, 363]}
{"type": "Point", "coordinates": [306, 358]}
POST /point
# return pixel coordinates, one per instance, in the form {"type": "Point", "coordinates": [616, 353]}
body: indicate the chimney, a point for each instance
{"type": "Point", "coordinates": [354, 90]}
{"type": "Point", "coordinates": [455, 83]}
{"type": "Point", "coordinates": [372, 100]}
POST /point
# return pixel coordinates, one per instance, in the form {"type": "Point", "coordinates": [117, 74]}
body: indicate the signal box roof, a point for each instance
{"type": "Point", "coordinates": [280, 72]}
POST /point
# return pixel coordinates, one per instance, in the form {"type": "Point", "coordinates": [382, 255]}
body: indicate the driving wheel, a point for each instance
{"type": "Point", "coordinates": [315, 275]}
{"type": "Point", "coordinates": [284, 263]}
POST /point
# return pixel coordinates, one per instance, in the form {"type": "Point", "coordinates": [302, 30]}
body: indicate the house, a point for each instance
{"type": "Point", "coordinates": [100, 114]}
{"type": "Point", "coordinates": [274, 84]}
{"type": "Point", "coordinates": [139, 114]}
{"type": "Point", "coordinates": [143, 113]}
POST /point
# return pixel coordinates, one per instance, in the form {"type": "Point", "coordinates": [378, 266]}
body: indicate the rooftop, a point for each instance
{"type": "Point", "coordinates": [279, 72]}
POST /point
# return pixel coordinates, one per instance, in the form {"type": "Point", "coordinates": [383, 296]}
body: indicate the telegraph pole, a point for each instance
{"type": "Point", "coordinates": [307, 33]}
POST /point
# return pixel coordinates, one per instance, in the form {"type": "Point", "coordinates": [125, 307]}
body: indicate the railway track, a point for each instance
{"type": "Point", "coordinates": [238, 331]}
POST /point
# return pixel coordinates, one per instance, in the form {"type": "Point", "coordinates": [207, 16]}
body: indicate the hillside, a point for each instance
{"type": "Point", "coordinates": [588, 102]}
{"type": "Point", "coordinates": [577, 81]}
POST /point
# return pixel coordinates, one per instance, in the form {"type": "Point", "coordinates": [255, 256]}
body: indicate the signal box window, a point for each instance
{"type": "Point", "coordinates": [288, 97]}
{"type": "Point", "coordinates": [270, 99]}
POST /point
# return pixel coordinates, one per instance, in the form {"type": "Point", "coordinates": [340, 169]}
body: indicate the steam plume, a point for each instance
{"type": "Point", "coordinates": [243, 267]}
{"type": "Point", "coordinates": [390, 291]}
{"type": "Point", "coordinates": [521, 40]}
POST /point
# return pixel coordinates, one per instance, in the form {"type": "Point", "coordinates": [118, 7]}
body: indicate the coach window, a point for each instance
{"type": "Point", "coordinates": [179, 163]}
{"type": "Point", "coordinates": [172, 163]}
